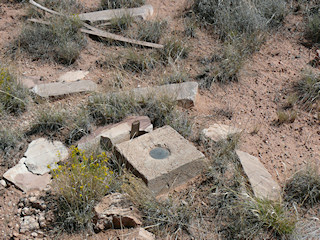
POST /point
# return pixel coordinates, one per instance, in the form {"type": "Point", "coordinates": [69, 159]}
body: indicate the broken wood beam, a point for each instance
{"type": "Point", "coordinates": [106, 15]}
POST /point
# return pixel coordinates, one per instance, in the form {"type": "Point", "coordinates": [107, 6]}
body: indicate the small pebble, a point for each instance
{"type": "Point", "coordinates": [3, 183]}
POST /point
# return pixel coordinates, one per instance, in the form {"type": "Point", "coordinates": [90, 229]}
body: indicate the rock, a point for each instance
{"type": "Point", "coordinates": [260, 179]}
{"type": "Point", "coordinates": [29, 81]}
{"type": "Point", "coordinates": [73, 76]}
{"type": "Point", "coordinates": [42, 220]}
{"type": "Point", "coordinates": [20, 176]}
{"type": "Point", "coordinates": [64, 88]}
{"type": "Point", "coordinates": [184, 93]}
{"type": "Point", "coordinates": [141, 234]}
{"type": "Point", "coordinates": [3, 183]}
{"type": "Point", "coordinates": [107, 15]}
{"type": "Point", "coordinates": [41, 153]}
{"type": "Point", "coordinates": [116, 211]}
{"type": "Point", "coordinates": [115, 133]}
{"type": "Point", "coordinates": [162, 158]}
{"type": "Point", "coordinates": [218, 132]}
{"type": "Point", "coordinates": [28, 224]}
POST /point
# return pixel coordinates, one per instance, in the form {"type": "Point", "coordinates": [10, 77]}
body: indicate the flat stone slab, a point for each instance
{"type": "Point", "coordinates": [73, 76]}
{"type": "Point", "coordinates": [218, 132]}
{"type": "Point", "coordinates": [115, 133]}
{"type": "Point", "coordinates": [184, 93]}
{"type": "Point", "coordinates": [20, 176]}
{"type": "Point", "coordinates": [63, 88]}
{"type": "Point", "coordinates": [41, 153]}
{"type": "Point", "coordinates": [29, 81]}
{"type": "Point", "coordinates": [261, 181]}
{"type": "Point", "coordinates": [179, 162]}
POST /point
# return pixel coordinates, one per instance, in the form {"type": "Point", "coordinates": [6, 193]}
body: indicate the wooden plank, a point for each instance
{"type": "Point", "coordinates": [106, 15]}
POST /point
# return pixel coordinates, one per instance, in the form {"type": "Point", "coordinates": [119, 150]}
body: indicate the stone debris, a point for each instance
{"type": "Point", "coordinates": [260, 179]}
{"type": "Point", "coordinates": [162, 158]}
{"type": "Point", "coordinates": [141, 234]}
{"type": "Point", "coordinates": [218, 132]}
{"type": "Point", "coordinates": [64, 88]}
{"type": "Point", "coordinates": [116, 211]}
{"type": "Point", "coordinates": [41, 153]}
{"type": "Point", "coordinates": [106, 15]}
{"type": "Point", "coordinates": [29, 81]}
{"type": "Point", "coordinates": [3, 183]}
{"type": "Point", "coordinates": [115, 133]}
{"type": "Point", "coordinates": [21, 177]}
{"type": "Point", "coordinates": [73, 76]}
{"type": "Point", "coordinates": [184, 93]}
{"type": "Point", "coordinates": [29, 224]}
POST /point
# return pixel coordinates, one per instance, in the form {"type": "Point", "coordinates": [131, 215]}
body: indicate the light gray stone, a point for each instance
{"type": "Point", "coordinates": [29, 81]}
{"type": "Point", "coordinates": [20, 176]}
{"type": "Point", "coordinates": [64, 88]}
{"type": "Point", "coordinates": [106, 15]}
{"type": "Point", "coordinates": [3, 183]}
{"type": "Point", "coordinates": [218, 132]}
{"type": "Point", "coordinates": [115, 133]}
{"type": "Point", "coordinates": [260, 179]}
{"type": "Point", "coordinates": [28, 224]}
{"type": "Point", "coordinates": [73, 76]}
{"type": "Point", "coordinates": [182, 164]}
{"type": "Point", "coordinates": [41, 153]}
{"type": "Point", "coordinates": [116, 211]}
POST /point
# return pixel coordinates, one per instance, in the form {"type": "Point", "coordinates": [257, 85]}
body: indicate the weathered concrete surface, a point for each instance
{"type": "Point", "coordinates": [115, 133]}
{"type": "Point", "coordinates": [184, 93]}
{"type": "Point", "coordinates": [116, 211]}
{"type": "Point", "coordinates": [218, 132]}
{"type": "Point", "coordinates": [20, 176]}
{"type": "Point", "coordinates": [64, 88]}
{"type": "Point", "coordinates": [106, 15]}
{"type": "Point", "coordinates": [261, 181]}
{"type": "Point", "coordinates": [73, 76]}
{"type": "Point", "coordinates": [41, 153]}
{"type": "Point", "coordinates": [183, 163]}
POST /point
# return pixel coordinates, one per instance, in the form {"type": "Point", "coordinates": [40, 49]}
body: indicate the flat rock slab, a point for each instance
{"type": "Point", "coordinates": [144, 12]}
{"type": "Point", "coordinates": [218, 132]}
{"type": "Point", "coordinates": [29, 81]}
{"type": "Point", "coordinates": [261, 181]}
{"type": "Point", "coordinates": [63, 88]}
{"type": "Point", "coordinates": [41, 153]}
{"type": "Point", "coordinates": [141, 234]}
{"type": "Point", "coordinates": [20, 176]}
{"type": "Point", "coordinates": [179, 162]}
{"type": "Point", "coordinates": [73, 76]}
{"type": "Point", "coordinates": [115, 133]}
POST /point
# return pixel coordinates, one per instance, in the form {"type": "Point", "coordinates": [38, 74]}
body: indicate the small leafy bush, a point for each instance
{"type": "Point", "coordinates": [304, 187]}
{"type": "Point", "coordinates": [113, 4]}
{"type": "Point", "coordinates": [151, 31]}
{"type": "Point", "coordinates": [13, 96]}
{"type": "Point", "coordinates": [78, 185]}
{"type": "Point", "coordinates": [60, 41]}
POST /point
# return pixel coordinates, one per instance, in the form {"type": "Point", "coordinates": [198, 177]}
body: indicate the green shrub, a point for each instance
{"type": "Point", "coordinates": [60, 41]}
{"type": "Point", "coordinates": [78, 185]}
{"type": "Point", "coordinates": [308, 89]}
{"type": "Point", "coordinates": [312, 28]}
{"type": "Point", "coordinates": [112, 4]}
{"type": "Point", "coordinates": [304, 187]}
{"type": "Point", "coordinates": [151, 31]}
{"type": "Point", "coordinates": [13, 96]}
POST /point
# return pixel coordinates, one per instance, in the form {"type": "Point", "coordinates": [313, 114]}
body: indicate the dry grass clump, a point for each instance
{"type": "Point", "coordinates": [308, 89]}
{"type": "Point", "coordinates": [161, 110]}
{"type": "Point", "coordinates": [113, 4]}
{"type": "Point", "coordinates": [60, 41]}
{"type": "Point", "coordinates": [174, 49]}
{"type": "Point", "coordinates": [163, 218]}
{"type": "Point", "coordinates": [304, 187]}
{"type": "Point", "coordinates": [151, 31]}
{"type": "Point", "coordinates": [64, 6]}
{"type": "Point", "coordinates": [139, 62]}
{"type": "Point", "coordinates": [78, 185]}
{"type": "Point", "coordinates": [13, 96]}
{"type": "Point", "coordinates": [120, 24]}
{"type": "Point", "coordinates": [11, 142]}
{"type": "Point", "coordinates": [286, 116]}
